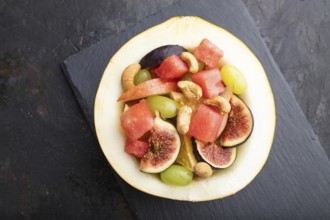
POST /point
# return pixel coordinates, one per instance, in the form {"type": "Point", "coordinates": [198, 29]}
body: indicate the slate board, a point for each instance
{"type": "Point", "coordinates": [294, 183]}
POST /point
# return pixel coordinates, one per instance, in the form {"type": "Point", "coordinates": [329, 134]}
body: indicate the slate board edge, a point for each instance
{"type": "Point", "coordinates": [83, 105]}
{"type": "Point", "coordinates": [251, 20]}
{"type": "Point", "coordinates": [276, 66]}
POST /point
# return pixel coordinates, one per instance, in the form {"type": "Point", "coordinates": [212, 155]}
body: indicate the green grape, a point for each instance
{"type": "Point", "coordinates": [141, 76]}
{"type": "Point", "coordinates": [232, 76]}
{"type": "Point", "coordinates": [166, 106]}
{"type": "Point", "coordinates": [177, 175]}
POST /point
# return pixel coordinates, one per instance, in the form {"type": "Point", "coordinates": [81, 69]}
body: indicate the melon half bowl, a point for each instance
{"type": "Point", "coordinates": [251, 155]}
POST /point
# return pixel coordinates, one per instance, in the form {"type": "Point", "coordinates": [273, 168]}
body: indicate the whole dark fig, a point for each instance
{"type": "Point", "coordinates": [155, 57]}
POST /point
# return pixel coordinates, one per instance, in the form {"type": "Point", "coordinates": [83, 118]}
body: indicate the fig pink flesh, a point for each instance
{"type": "Point", "coordinates": [161, 148]}
{"type": "Point", "coordinates": [215, 155]}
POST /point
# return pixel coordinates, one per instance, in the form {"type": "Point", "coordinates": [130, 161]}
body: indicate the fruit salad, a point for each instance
{"type": "Point", "coordinates": [183, 117]}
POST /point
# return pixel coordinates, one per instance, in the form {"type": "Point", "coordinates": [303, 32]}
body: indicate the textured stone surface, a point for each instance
{"type": "Point", "coordinates": [297, 162]}
{"type": "Point", "coordinates": [49, 165]}
{"type": "Point", "coordinates": [297, 32]}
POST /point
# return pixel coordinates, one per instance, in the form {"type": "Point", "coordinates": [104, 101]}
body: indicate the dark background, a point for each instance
{"type": "Point", "coordinates": [49, 162]}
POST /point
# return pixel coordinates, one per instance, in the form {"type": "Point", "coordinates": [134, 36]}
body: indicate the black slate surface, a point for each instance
{"type": "Point", "coordinates": [51, 166]}
{"type": "Point", "coordinates": [294, 182]}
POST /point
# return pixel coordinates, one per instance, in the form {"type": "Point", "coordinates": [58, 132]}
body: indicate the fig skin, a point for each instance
{"type": "Point", "coordinates": [239, 124]}
{"type": "Point", "coordinates": [216, 156]}
{"type": "Point", "coordinates": [164, 147]}
{"type": "Point", "coordinates": [195, 151]}
{"type": "Point", "coordinates": [156, 56]}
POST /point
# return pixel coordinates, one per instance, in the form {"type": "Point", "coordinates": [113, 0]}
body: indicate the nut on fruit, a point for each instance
{"type": "Point", "coordinates": [127, 77]}
{"type": "Point", "coordinates": [220, 102]}
{"type": "Point", "coordinates": [191, 60]}
{"type": "Point", "coordinates": [183, 119]}
{"type": "Point", "coordinates": [203, 170]}
{"type": "Point", "coordinates": [190, 90]}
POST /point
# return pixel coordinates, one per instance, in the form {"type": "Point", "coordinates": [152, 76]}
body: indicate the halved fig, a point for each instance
{"type": "Point", "coordinates": [164, 147]}
{"type": "Point", "coordinates": [215, 155]}
{"type": "Point", "coordinates": [239, 125]}
{"type": "Point", "coordinates": [155, 57]}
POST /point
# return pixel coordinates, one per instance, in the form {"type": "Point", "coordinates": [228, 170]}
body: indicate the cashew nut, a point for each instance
{"type": "Point", "coordinates": [190, 90]}
{"type": "Point", "coordinates": [183, 119]}
{"type": "Point", "coordinates": [178, 97]}
{"type": "Point", "coordinates": [191, 60]}
{"type": "Point", "coordinates": [219, 102]}
{"type": "Point", "coordinates": [203, 170]}
{"type": "Point", "coordinates": [127, 77]}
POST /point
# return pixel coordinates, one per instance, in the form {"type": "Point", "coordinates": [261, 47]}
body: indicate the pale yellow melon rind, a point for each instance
{"type": "Point", "coordinates": [187, 31]}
